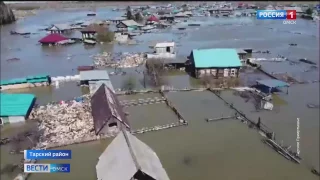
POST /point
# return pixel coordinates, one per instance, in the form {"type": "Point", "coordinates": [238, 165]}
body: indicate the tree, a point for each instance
{"type": "Point", "coordinates": [129, 84]}
{"type": "Point", "coordinates": [107, 36]}
{"type": "Point", "coordinates": [138, 17]}
{"type": "Point", "coordinates": [155, 71]}
{"type": "Point", "coordinates": [309, 11]}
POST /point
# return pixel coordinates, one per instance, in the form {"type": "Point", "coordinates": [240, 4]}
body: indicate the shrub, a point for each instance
{"type": "Point", "coordinates": [106, 36]}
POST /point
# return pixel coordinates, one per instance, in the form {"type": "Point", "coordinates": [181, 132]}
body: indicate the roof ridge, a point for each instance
{"type": "Point", "coordinates": [134, 158]}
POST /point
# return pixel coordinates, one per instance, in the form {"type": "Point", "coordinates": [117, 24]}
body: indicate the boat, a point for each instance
{"type": "Point", "coordinates": [182, 28]}
{"type": "Point", "coordinates": [91, 14]}
{"type": "Point", "coordinates": [19, 33]}
{"type": "Point", "coordinates": [305, 60]}
{"type": "Point", "coordinates": [314, 171]}
{"type": "Point", "coordinates": [194, 25]}
{"type": "Point", "coordinates": [85, 68]}
{"type": "Point", "coordinates": [90, 42]}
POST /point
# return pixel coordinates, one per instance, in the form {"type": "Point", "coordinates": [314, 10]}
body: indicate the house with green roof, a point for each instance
{"type": "Point", "coordinates": [15, 107]}
{"type": "Point", "coordinates": [215, 62]}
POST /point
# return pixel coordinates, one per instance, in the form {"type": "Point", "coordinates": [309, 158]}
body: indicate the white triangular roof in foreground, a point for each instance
{"type": "Point", "coordinates": [125, 156]}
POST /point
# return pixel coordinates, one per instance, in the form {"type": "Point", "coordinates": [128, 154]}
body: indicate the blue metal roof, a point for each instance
{"type": "Point", "coordinates": [15, 104]}
{"type": "Point", "coordinates": [273, 83]}
{"type": "Point", "coordinates": [204, 58]}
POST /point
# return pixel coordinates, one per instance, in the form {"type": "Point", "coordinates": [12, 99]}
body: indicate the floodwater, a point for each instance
{"type": "Point", "coordinates": [201, 150]}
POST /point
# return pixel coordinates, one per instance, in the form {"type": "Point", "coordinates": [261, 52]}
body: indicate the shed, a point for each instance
{"type": "Point", "coordinates": [90, 31]}
{"type": "Point", "coordinates": [107, 113]}
{"type": "Point", "coordinates": [164, 47]}
{"type": "Point", "coordinates": [94, 75]}
{"type": "Point", "coordinates": [15, 107]}
{"type": "Point", "coordinates": [52, 39]}
{"type": "Point", "coordinates": [272, 84]}
{"type": "Point", "coordinates": [216, 62]}
{"type": "Point", "coordinates": [128, 158]}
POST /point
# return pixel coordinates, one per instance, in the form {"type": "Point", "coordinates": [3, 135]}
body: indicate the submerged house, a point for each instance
{"type": "Point", "coordinates": [215, 62]}
{"type": "Point", "coordinates": [60, 29]}
{"type": "Point", "coordinates": [152, 19]}
{"type": "Point", "coordinates": [128, 158]}
{"type": "Point", "coordinates": [107, 113]}
{"type": "Point", "coordinates": [91, 31]}
{"type": "Point", "coordinates": [15, 107]}
{"type": "Point", "coordinates": [52, 39]}
{"type": "Point", "coordinates": [128, 25]}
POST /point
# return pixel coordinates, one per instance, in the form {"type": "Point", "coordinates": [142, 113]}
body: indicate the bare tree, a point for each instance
{"type": "Point", "coordinates": [155, 71]}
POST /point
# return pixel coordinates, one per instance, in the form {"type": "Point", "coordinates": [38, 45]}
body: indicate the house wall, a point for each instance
{"type": "Point", "coordinates": [217, 72]}
{"type": "Point", "coordinates": [160, 50]}
{"type": "Point", "coordinates": [16, 119]}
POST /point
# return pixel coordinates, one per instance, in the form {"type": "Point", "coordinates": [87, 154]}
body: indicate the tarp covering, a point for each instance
{"type": "Point", "coordinates": [15, 104]}
{"type": "Point", "coordinates": [52, 38]}
{"type": "Point", "coordinates": [273, 83]}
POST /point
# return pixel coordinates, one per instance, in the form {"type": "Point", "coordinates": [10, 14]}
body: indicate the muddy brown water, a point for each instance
{"type": "Point", "coordinates": [201, 150]}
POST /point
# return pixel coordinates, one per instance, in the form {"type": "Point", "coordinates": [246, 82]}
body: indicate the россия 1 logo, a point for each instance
{"type": "Point", "coordinates": [288, 16]}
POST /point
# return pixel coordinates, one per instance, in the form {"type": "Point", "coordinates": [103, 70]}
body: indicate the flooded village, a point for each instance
{"type": "Point", "coordinates": [170, 91]}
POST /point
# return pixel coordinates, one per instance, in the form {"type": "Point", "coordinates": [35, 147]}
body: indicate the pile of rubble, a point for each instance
{"type": "Point", "coordinates": [122, 60]}
{"type": "Point", "coordinates": [65, 122]}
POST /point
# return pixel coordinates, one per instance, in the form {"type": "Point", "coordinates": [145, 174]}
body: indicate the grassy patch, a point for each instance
{"type": "Point", "coordinates": [25, 8]}
{"type": "Point", "coordinates": [175, 73]}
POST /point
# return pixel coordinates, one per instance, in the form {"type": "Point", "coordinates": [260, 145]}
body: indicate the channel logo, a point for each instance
{"type": "Point", "coordinates": [47, 168]}
{"type": "Point", "coordinates": [277, 14]}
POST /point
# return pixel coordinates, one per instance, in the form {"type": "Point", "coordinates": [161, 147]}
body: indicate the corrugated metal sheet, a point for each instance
{"type": "Point", "coordinates": [105, 105]}
{"type": "Point", "coordinates": [15, 104]}
{"type": "Point", "coordinates": [205, 58]}
{"type": "Point", "coordinates": [94, 75]}
{"type": "Point", "coordinates": [273, 83]}
{"type": "Point", "coordinates": [37, 77]}
{"type": "Point", "coordinates": [118, 160]}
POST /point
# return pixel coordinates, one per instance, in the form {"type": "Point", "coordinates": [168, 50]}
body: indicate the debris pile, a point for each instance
{"type": "Point", "coordinates": [123, 60]}
{"type": "Point", "coordinates": [65, 122]}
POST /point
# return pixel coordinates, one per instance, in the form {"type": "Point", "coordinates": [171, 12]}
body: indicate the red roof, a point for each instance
{"type": "Point", "coordinates": [153, 18]}
{"type": "Point", "coordinates": [53, 38]}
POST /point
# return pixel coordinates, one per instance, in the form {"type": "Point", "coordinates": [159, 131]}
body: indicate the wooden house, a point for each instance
{"type": "Point", "coordinates": [215, 62]}
{"type": "Point", "coordinates": [60, 29]}
{"type": "Point", "coordinates": [53, 39]}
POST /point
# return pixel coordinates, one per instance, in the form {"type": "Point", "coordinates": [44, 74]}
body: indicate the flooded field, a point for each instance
{"type": "Point", "coordinates": [216, 150]}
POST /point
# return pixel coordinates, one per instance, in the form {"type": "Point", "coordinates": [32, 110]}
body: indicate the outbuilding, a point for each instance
{"type": "Point", "coordinates": [215, 62]}
{"type": "Point", "coordinates": [94, 78]}
{"type": "Point", "coordinates": [271, 85]}
{"type": "Point", "coordinates": [15, 107]}
{"type": "Point", "coordinates": [128, 25]}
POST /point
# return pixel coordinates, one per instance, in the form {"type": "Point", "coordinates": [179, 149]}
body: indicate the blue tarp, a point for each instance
{"type": "Point", "coordinates": [273, 83]}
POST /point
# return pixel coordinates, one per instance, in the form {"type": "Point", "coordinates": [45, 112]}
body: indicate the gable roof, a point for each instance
{"type": "Point", "coordinates": [164, 44]}
{"type": "Point", "coordinates": [60, 27]}
{"type": "Point", "coordinates": [125, 156]}
{"type": "Point", "coordinates": [53, 38]}
{"type": "Point", "coordinates": [105, 105]}
{"type": "Point", "coordinates": [15, 104]}
{"type": "Point", "coordinates": [204, 58]}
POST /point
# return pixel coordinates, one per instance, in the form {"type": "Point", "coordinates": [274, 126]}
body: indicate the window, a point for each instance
{"type": "Point", "coordinates": [113, 124]}
{"type": "Point", "coordinates": [168, 49]}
